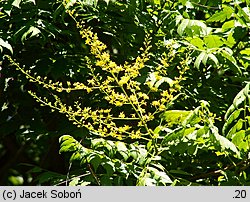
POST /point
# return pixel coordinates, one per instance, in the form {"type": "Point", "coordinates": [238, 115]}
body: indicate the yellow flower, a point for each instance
{"type": "Point", "coordinates": [88, 90]}
{"type": "Point", "coordinates": [156, 103]}
{"type": "Point", "coordinates": [165, 93]}
{"type": "Point", "coordinates": [112, 64]}
{"type": "Point", "coordinates": [118, 103]}
{"type": "Point", "coordinates": [124, 80]}
{"type": "Point", "coordinates": [105, 56]}
{"type": "Point", "coordinates": [162, 107]}
{"type": "Point", "coordinates": [91, 81]}
{"type": "Point", "coordinates": [100, 63]}
{"type": "Point", "coordinates": [133, 99]}
{"type": "Point", "coordinates": [121, 115]}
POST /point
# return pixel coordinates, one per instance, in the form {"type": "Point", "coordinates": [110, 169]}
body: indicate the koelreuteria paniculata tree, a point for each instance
{"type": "Point", "coordinates": [131, 106]}
{"type": "Point", "coordinates": [141, 131]}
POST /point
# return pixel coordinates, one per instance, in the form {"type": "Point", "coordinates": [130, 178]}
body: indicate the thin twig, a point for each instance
{"type": "Point", "coordinates": [65, 181]}
{"type": "Point", "coordinates": [93, 173]}
{"type": "Point", "coordinates": [67, 177]}
{"type": "Point", "coordinates": [217, 172]}
{"type": "Point", "coordinates": [208, 7]}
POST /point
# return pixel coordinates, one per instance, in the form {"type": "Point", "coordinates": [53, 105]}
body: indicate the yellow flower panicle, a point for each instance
{"type": "Point", "coordinates": [118, 86]}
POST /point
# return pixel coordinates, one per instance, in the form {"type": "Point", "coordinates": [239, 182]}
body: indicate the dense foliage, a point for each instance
{"type": "Point", "coordinates": [130, 92]}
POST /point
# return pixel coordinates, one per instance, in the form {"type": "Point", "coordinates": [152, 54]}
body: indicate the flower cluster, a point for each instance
{"type": "Point", "coordinates": [131, 105]}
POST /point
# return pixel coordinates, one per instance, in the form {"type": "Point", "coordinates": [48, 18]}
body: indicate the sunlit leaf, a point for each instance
{"type": "Point", "coordinates": [245, 15]}
{"type": "Point", "coordinates": [16, 3]}
{"type": "Point", "coordinates": [246, 51]}
{"type": "Point", "coordinates": [182, 26]}
{"type": "Point", "coordinates": [230, 119]}
{"type": "Point", "coordinates": [122, 149]}
{"type": "Point", "coordinates": [238, 100]}
{"type": "Point", "coordinates": [160, 176]}
{"type": "Point", "coordinates": [221, 16]}
{"type": "Point", "coordinates": [230, 40]}
{"type": "Point", "coordinates": [237, 127]}
{"type": "Point", "coordinates": [6, 44]}
{"type": "Point", "coordinates": [200, 58]}
{"type": "Point", "coordinates": [228, 25]}
{"type": "Point", "coordinates": [213, 41]}
{"type": "Point", "coordinates": [163, 80]}
{"type": "Point", "coordinates": [32, 31]}
{"type": "Point", "coordinates": [213, 58]}
{"type": "Point", "coordinates": [238, 137]}
{"type": "Point", "coordinates": [76, 156]}
{"type": "Point", "coordinates": [197, 42]}
{"type": "Point", "coordinates": [223, 142]}
{"type": "Point", "coordinates": [175, 116]}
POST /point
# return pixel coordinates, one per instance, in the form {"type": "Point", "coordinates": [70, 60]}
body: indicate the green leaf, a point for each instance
{"type": "Point", "coordinates": [213, 58]}
{"type": "Point", "coordinates": [237, 127]}
{"type": "Point", "coordinates": [246, 51]}
{"type": "Point", "coordinates": [202, 131]}
{"type": "Point", "coordinates": [192, 118]}
{"type": "Point", "coordinates": [76, 156]}
{"type": "Point", "coordinates": [244, 14]}
{"type": "Point", "coordinates": [48, 177]}
{"type": "Point", "coordinates": [238, 100]}
{"type": "Point", "coordinates": [238, 137]}
{"type": "Point", "coordinates": [32, 31]}
{"type": "Point", "coordinates": [121, 146]}
{"type": "Point", "coordinates": [197, 42]}
{"type": "Point", "coordinates": [32, 1]}
{"type": "Point", "coordinates": [175, 116]}
{"type": "Point", "coordinates": [230, 40]}
{"type": "Point", "coordinates": [200, 58]}
{"type": "Point", "coordinates": [122, 149]}
{"type": "Point", "coordinates": [221, 16]}
{"type": "Point", "coordinates": [160, 176]}
{"type": "Point", "coordinates": [189, 131]}
{"type": "Point", "coordinates": [244, 145]}
{"type": "Point", "coordinates": [67, 148]}
{"type": "Point", "coordinates": [158, 129]}
{"type": "Point", "coordinates": [175, 134]}
{"type": "Point", "coordinates": [228, 25]}
{"type": "Point", "coordinates": [226, 53]}
{"type": "Point", "coordinates": [6, 44]}
{"type": "Point", "coordinates": [192, 149]}
{"type": "Point", "coordinates": [181, 28]}
{"type": "Point", "coordinates": [223, 142]}
{"type": "Point", "coordinates": [146, 180]}
{"type": "Point", "coordinates": [183, 2]}
{"type": "Point", "coordinates": [134, 154]}
{"type": "Point", "coordinates": [213, 41]}
{"type": "Point", "coordinates": [164, 79]}
{"type": "Point", "coordinates": [202, 30]}
{"type": "Point", "coordinates": [95, 160]}
{"type": "Point", "coordinates": [85, 183]}
{"type": "Point", "coordinates": [142, 158]}
{"type": "Point", "coordinates": [74, 181]}
{"type": "Point", "coordinates": [97, 142]}
{"type": "Point", "coordinates": [65, 137]}
{"type": "Point", "coordinates": [230, 119]}
{"type": "Point", "coordinates": [204, 60]}
{"type": "Point", "coordinates": [109, 167]}
{"type": "Point", "coordinates": [68, 142]}
{"type": "Point", "coordinates": [16, 3]}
